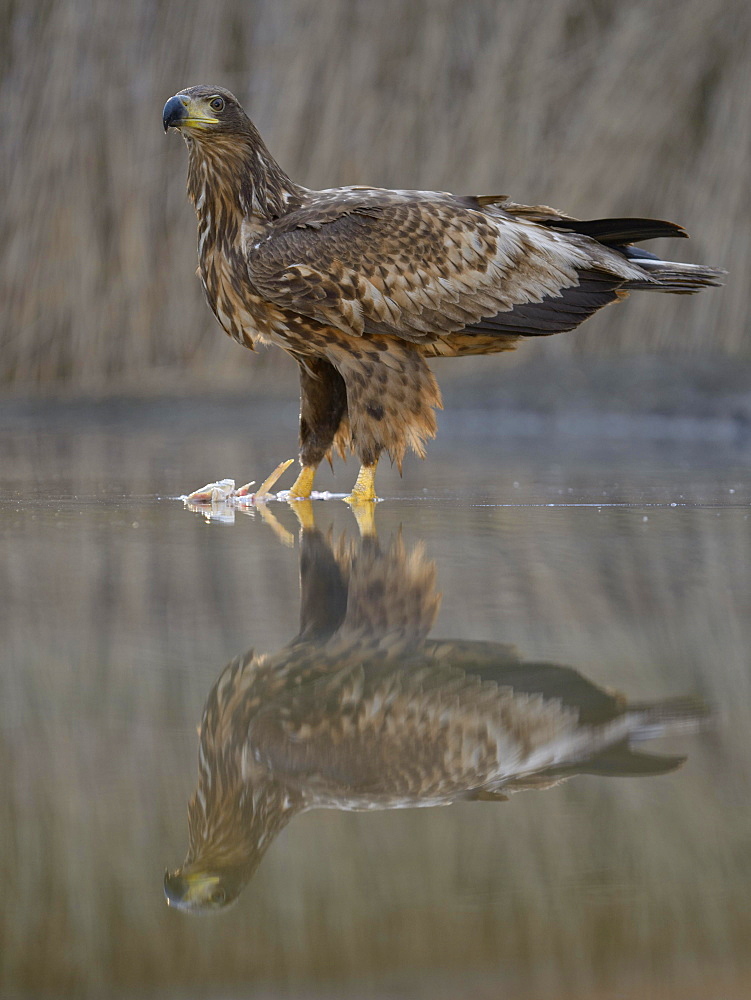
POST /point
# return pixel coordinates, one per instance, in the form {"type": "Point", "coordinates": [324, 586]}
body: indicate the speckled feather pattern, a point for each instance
{"type": "Point", "coordinates": [417, 265]}
{"type": "Point", "coordinates": [372, 282]}
{"type": "Point", "coordinates": [362, 710]}
{"type": "Point", "coordinates": [377, 715]}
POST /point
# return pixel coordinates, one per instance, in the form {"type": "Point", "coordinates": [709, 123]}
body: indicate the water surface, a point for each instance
{"type": "Point", "coordinates": [630, 564]}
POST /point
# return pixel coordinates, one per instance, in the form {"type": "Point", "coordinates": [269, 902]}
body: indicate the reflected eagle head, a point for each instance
{"type": "Point", "coordinates": [196, 890]}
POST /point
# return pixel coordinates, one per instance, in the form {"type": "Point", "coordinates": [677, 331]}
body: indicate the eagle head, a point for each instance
{"type": "Point", "coordinates": [198, 891]}
{"type": "Point", "coordinates": [203, 111]}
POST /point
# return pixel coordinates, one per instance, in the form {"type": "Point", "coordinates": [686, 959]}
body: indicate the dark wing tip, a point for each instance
{"type": "Point", "coordinates": [620, 231]}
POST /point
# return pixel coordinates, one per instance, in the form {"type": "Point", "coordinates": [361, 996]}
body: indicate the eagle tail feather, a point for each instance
{"type": "Point", "coordinates": [662, 718]}
{"type": "Point", "coordinates": [669, 276]}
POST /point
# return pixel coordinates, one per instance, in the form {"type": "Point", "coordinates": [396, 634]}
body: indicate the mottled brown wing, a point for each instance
{"type": "Point", "coordinates": [420, 266]}
{"type": "Point", "coordinates": [492, 661]}
{"type": "Point", "coordinates": [409, 730]}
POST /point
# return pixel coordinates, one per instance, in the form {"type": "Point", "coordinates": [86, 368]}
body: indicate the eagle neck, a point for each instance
{"type": "Point", "coordinates": [233, 180]}
{"type": "Point", "coordinates": [231, 826]}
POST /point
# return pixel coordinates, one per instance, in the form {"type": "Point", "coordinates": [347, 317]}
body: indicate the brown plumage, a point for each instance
{"type": "Point", "coordinates": [361, 285]}
{"type": "Point", "coordinates": [362, 710]}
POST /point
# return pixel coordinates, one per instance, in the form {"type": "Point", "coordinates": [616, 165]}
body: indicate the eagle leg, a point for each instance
{"type": "Point", "coordinates": [364, 488]}
{"type": "Point", "coordinates": [303, 485]}
{"type": "Point", "coordinates": [365, 518]}
{"type": "Point", "coordinates": [303, 509]}
{"type": "Point", "coordinates": [323, 407]}
{"type": "Point", "coordinates": [391, 396]}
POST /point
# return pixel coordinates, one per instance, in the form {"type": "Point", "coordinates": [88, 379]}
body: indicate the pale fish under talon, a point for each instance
{"type": "Point", "coordinates": [223, 489]}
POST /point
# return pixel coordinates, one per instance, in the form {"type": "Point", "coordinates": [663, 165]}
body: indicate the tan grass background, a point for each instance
{"type": "Point", "coordinates": [593, 106]}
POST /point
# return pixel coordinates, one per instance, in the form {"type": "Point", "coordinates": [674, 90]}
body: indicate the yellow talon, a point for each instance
{"type": "Point", "coordinates": [304, 513]}
{"type": "Point", "coordinates": [365, 516]}
{"type": "Point", "coordinates": [364, 488]}
{"type": "Point", "coordinates": [302, 486]}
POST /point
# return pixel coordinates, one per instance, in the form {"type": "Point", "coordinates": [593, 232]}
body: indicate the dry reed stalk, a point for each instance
{"type": "Point", "coordinates": [594, 107]}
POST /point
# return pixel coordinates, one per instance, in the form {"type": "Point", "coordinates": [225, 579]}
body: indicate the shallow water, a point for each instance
{"type": "Point", "coordinates": [630, 563]}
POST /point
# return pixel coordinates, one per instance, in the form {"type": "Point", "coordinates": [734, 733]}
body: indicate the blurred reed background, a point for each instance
{"type": "Point", "coordinates": [598, 108]}
{"type": "Point", "coordinates": [117, 618]}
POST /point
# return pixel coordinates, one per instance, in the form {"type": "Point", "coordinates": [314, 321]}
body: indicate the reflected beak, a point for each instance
{"type": "Point", "coordinates": [174, 888]}
{"type": "Point", "coordinates": [189, 891]}
{"type": "Point", "coordinates": [180, 111]}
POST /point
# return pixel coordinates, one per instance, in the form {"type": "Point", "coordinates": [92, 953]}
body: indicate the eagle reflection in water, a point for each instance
{"type": "Point", "coordinates": [361, 710]}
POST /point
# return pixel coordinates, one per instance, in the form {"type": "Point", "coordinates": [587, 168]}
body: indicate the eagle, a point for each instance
{"type": "Point", "coordinates": [362, 285]}
{"type": "Point", "coordinates": [362, 710]}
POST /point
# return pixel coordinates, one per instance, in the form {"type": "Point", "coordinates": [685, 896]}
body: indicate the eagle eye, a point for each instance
{"type": "Point", "coordinates": [217, 104]}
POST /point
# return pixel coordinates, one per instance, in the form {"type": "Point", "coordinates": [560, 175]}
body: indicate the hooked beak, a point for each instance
{"type": "Point", "coordinates": [188, 892]}
{"type": "Point", "coordinates": [180, 110]}
{"type": "Point", "coordinates": [175, 111]}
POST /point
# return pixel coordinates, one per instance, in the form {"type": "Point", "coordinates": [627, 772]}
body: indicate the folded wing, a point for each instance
{"type": "Point", "coordinates": [420, 266]}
